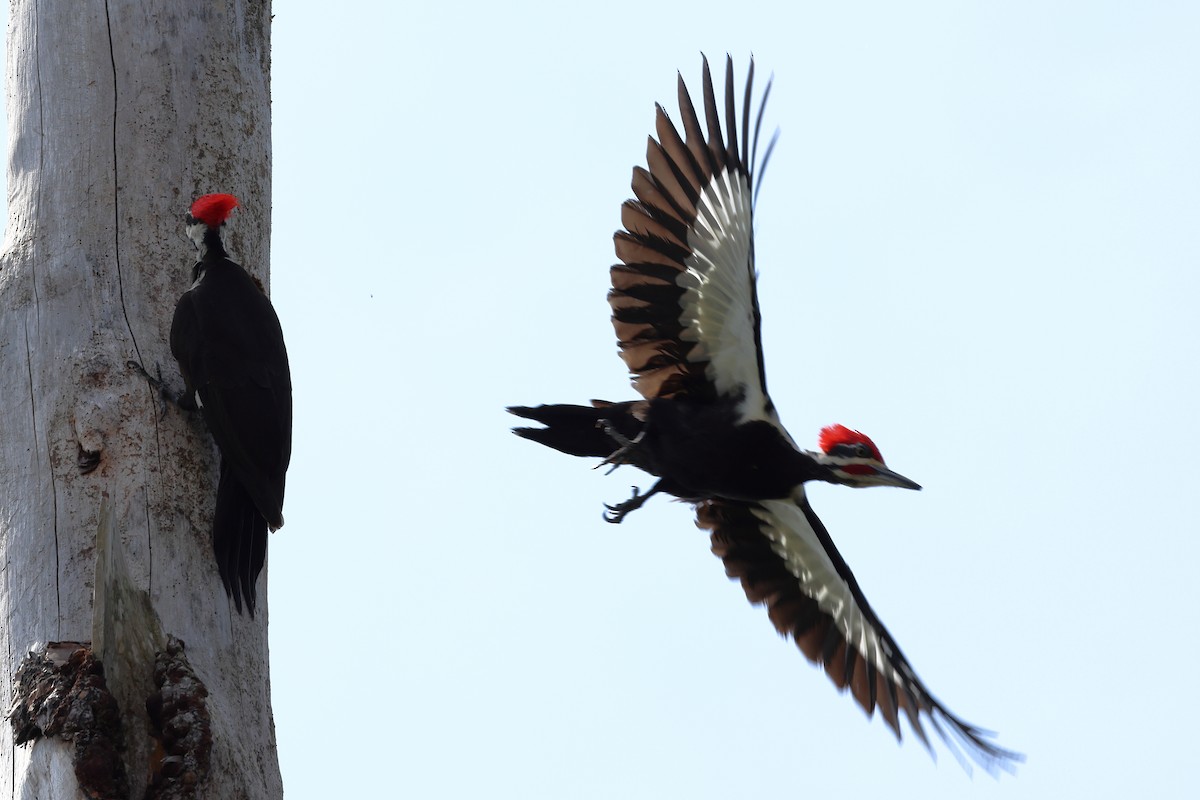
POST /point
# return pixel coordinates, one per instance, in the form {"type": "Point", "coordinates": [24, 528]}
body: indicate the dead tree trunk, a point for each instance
{"type": "Point", "coordinates": [121, 112]}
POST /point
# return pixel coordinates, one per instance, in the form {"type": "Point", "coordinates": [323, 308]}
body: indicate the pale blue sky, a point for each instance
{"type": "Point", "coordinates": [978, 240]}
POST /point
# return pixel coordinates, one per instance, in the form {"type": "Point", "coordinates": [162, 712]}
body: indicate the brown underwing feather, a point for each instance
{"type": "Point", "coordinates": [666, 382]}
{"type": "Point", "coordinates": [666, 252]}
{"type": "Point", "coordinates": [695, 136]}
{"type": "Point", "coordinates": [647, 190]}
{"type": "Point", "coordinates": [641, 221]}
{"type": "Point", "coordinates": [833, 638]}
{"type": "Point", "coordinates": [858, 669]}
{"type": "Point", "coordinates": [630, 332]}
{"type": "Point", "coordinates": [668, 180]}
{"type": "Point", "coordinates": [625, 272]}
{"type": "Point", "coordinates": [635, 251]}
{"type": "Point", "coordinates": [639, 313]}
{"type": "Point", "coordinates": [804, 616]}
{"type": "Point", "coordinates": [656, 294]}
{"type": "Point", "coordinates": [648, 357]}
{"type": "Point", "coordinates": [810, 643]}
{"type": "Point", "coordinates": [834, 665]}
{"type": "Point", "coordinates": [783, 610]}
{"type": "Point", "coordinates": [715, 143]}
{"type": "Point", "coordinates": [677, 151]}
{"type": "Point", "coordinates": [625, 278]}
{"type": "Point", "coordinates": [645, 362]}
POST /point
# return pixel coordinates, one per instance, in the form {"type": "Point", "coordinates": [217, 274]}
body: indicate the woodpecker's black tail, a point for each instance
{"type": "Point", "coordinates": [577, 430]}
{"type": "Point", "coordinates": [239, 540]}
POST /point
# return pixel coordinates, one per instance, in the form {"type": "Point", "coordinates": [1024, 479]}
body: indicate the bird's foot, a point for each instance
{"type": "Point", "coordinates": [626, 445]}
{"type": "Point", "coordinates": [618, 512]}
{"type": "Point", "coordinates": [156, 381]}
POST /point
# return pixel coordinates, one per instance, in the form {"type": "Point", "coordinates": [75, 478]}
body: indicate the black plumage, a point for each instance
{"type": "Point", "coordinates": [228, 342]}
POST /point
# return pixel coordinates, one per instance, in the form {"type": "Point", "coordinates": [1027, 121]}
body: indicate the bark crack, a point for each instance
{"type": "Point", "coordinates": [57, 544]}
{"type": "Point", "coordinates": [112, 57]}
{"type": "Point", "coordinates": [33, 424]}
{"type": "Point", "coordinates": [32, 395]}
{"type": "Point", "coordinates": [37, 202]}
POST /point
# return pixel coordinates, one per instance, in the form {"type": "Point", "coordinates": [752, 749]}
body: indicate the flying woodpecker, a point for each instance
{"type": "Point", "coordinates": [685, 309]}
{"type": "Point", "coordinates": [229, 345]}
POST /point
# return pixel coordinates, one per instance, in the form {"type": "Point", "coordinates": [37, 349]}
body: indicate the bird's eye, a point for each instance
{"type": "Point", "coordinates": [851, 450]}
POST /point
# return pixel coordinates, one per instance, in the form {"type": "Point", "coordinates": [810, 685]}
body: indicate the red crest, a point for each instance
{"type": "Point", "coordinates": [834, 435]}
{"type": "Point", "coordinates": [213, 209]}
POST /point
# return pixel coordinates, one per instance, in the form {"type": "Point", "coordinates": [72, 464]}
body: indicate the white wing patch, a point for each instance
{"type": "Point", "coordinates": [718, 306]}
{"type": "Point", "coordinates": [795, 541]}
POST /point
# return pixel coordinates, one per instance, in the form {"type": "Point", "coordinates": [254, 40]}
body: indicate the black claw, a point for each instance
{"type": "Point", "coordinates": [616, 435]}
{"type": "Point", "coordinates": [166, 396]}
{"type": "Point", "coordinates": [613, 515]}
{"type": "Point", "coordinates": [625, 445]}
{"type": "Point", "coordinates": [618, 512]}
{"type": "Point", "coordinates": [619, 506]}
{"type": "Point", "coordinates": [157, 383]}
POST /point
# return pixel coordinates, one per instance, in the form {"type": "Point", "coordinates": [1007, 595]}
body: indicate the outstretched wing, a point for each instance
{"type": "Point", "coordinates": [783, 555]}
{"type": "Point", "coordinates": [684, 302]}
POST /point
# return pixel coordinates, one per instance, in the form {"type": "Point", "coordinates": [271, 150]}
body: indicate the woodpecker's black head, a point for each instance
{"type": "Point", "coordinates": [205, 219]}
{"type": "Point", "coordinates": [852, 459]}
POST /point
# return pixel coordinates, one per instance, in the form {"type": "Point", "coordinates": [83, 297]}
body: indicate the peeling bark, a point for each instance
{"type": "Point", "coordinates": [61, 692]}
{"type": "Point", "coordinates": [181, 727]}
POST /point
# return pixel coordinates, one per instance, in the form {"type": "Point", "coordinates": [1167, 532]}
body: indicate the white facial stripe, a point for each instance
{"type": "Point", "coordinates": [195, 232]}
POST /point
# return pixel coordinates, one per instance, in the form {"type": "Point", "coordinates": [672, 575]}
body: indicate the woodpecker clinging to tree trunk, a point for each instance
{"type": "Point", "coordinates": [685, 308]}
{"type": "Point", "coordinates": [229, 345]}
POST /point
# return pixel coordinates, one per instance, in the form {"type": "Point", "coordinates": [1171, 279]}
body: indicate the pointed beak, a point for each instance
{"type": "Point", "coordinates": [888, 478]}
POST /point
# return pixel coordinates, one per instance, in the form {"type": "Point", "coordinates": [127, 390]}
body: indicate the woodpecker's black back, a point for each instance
{"type": "Point", "coordinates": [229, 345]}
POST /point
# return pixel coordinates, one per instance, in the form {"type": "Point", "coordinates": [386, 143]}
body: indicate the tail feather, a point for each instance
{"type": "Point", "coordinates": [239, 540]}
{"type": "Point", "coordinates": [576, 430]}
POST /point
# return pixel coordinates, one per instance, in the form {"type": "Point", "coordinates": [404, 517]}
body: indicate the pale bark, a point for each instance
{"type": "Point", "coordinates": [120, 113]}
